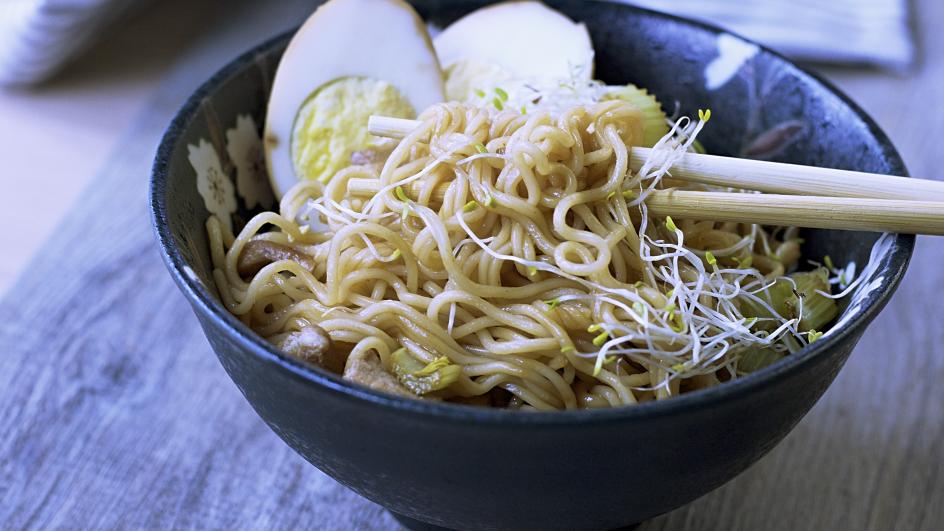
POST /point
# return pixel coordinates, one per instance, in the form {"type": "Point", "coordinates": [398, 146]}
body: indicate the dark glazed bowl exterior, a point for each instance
{"type": "Point", "coordinates": [465, 467]}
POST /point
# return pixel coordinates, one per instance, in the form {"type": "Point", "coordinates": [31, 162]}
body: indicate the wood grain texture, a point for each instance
{"type": "Point", "coordinates": [845, 213]}
{"type": "Point", "coordinates": [115, 413]}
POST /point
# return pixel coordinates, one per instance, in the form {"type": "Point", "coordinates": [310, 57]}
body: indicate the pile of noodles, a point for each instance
{"type": "Point", "coordinates": [509, 259]}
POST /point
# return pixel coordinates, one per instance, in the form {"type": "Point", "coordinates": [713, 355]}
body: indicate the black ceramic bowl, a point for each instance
{"type": "Point", "coordinates": [465, 467]}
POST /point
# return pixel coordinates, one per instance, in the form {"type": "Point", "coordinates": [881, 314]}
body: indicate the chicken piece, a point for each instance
{"type": "Point", "coordinates": [260, 253]}
{"type": "Point", "coordinates": [313, 345]}
{"type": "Point", "coordinates": [364, 367]}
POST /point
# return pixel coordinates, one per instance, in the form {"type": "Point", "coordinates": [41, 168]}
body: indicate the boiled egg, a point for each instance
{"type": "Point", "coordinates": [349, 60]}
{"type": "Point", "coordinates": [512, 41]}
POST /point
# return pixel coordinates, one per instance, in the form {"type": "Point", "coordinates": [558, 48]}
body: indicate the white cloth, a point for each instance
{"type": "Point", "coordinates": [831, 31]}
{"type": "Point", "coordinates": [38, 36]}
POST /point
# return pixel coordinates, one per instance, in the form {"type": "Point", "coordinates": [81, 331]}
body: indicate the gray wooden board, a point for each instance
{"type": "Point", "coordinates": [115, 413]}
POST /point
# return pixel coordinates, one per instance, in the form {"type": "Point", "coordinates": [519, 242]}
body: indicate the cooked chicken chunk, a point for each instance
{"type": "Point", "coordinates": [364, 367]}
{"type": "Point", "coordinates": [260, 253]}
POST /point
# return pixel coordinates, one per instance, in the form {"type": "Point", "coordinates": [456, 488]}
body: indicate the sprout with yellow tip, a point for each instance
{"type": "Point", "coordinates": [710, 258]}
{"type": "Point", "coordinates": [600, 339]}
{"type": "Point", "coordinates": [423, 379]}
{"type": "Point", "coordinates": [670, 224]}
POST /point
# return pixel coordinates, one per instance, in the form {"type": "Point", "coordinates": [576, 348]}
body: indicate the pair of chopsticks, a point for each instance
{"type": "Point", "coordinates": [801, 196]}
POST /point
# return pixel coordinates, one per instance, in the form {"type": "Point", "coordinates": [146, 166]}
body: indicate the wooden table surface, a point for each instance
{"type": "Point", "coordinates": [115, 413]}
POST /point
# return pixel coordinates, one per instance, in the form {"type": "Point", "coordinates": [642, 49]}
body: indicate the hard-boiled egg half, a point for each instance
{"type": "Point", "coordinates": [526, 56]}
{"type": "Point", "coordinates": [509, 43]}
{"type": "Point", "coordinates": [351, 59]}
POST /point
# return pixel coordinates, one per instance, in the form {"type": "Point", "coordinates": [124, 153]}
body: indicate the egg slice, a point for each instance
{"type": "Point", "coordinates": [351, 59]}
{"type": "Point", "coordinates": [512, 40]}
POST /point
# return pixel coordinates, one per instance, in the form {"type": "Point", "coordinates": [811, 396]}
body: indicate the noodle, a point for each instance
{"type": "Point", "coordinates": [509, 260]}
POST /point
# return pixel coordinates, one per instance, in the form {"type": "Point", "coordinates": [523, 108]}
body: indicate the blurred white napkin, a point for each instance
{"type": "Point", "coordinates": [38, 36]}
{"type": "Point", "coordinates": [831, 31]}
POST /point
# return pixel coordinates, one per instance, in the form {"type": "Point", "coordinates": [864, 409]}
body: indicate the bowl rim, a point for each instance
{"type": "Point", "coordinates": [206, 303]}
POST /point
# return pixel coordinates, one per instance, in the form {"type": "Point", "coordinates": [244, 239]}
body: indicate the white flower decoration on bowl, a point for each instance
{"type": "Point", "coordinates": [214, 186]}
{"type": "Point", "coordinates": [244, 146]}
{"type": "Point", "coordinates": [733, 53]}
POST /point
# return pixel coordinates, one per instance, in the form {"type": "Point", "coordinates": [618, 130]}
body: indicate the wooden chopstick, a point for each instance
{"type": "Point", "coordinates": [882, 215]}
{"type": "Point", "coordinates": [845, 213]}
{"type": "Point", "coordinates": [794, 179]}
{"type": "Point", "coordinates": [801, 196]}
{"type": "Point", "coordinates": [747, 174]}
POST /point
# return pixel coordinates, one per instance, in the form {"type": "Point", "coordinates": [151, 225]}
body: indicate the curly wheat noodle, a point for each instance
{"type": "Point", "coordinates": [539, 273]}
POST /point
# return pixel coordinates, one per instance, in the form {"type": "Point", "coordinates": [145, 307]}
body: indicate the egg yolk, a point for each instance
{"type": "Point", "coordinates": [332, 124]}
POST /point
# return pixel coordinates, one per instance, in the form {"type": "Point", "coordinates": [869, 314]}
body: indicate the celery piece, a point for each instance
{"type": "Point", "coordinates": [654, 124]}
{"type": "Point", "coordinates": [422, 379]}
{"type": "Point", "coordinates": [756, 359]}
{"type": "Point", "coordinates": [817, 310]}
